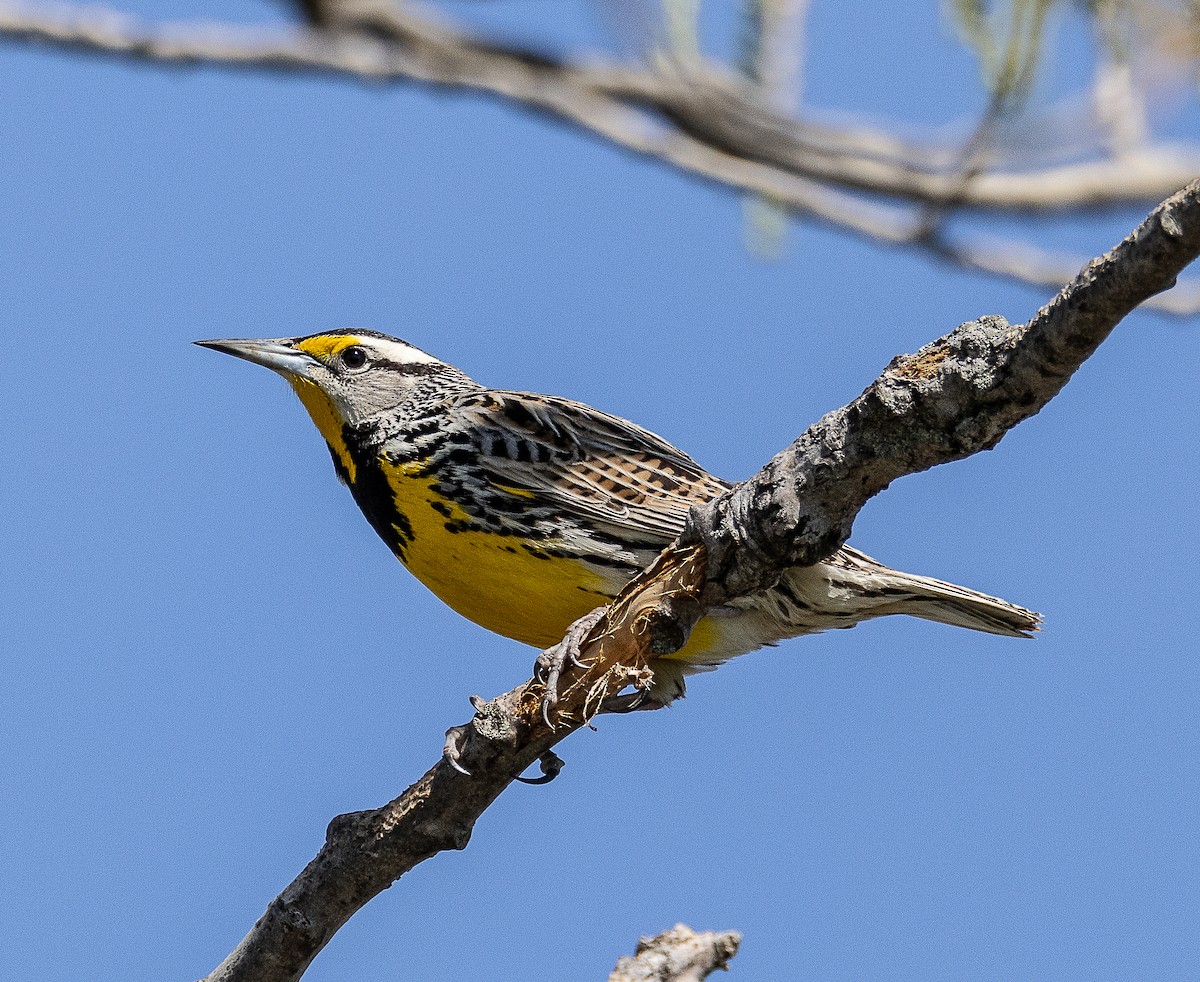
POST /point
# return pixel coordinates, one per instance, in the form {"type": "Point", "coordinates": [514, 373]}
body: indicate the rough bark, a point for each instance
{"type": "Point", "coordinates": [678, 955]}
{"type": "Point", "coordinates": [954, 397]}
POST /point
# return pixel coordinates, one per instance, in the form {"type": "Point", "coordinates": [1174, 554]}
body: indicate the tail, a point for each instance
{"type": "Point", "coordinates": [847, 588]}
{"type": "Point", "coordinates": [933, 600]}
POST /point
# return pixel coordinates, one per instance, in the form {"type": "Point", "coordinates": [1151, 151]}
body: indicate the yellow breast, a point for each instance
{"type": "Point", "coordinates": [501, 585]}
{"type": "Point", "coordinates": [498, 581]}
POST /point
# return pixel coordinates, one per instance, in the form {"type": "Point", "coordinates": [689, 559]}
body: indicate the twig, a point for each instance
{"type": "Point", "coordinates": [703, 123]}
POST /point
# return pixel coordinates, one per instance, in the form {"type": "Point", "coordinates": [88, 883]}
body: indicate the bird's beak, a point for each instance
{"type": "Point", "coordinates": [276, 354]}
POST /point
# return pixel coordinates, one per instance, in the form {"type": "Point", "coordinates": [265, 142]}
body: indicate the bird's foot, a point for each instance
{"type": "Point", "coordinates": [456, 736]}
{"type": "Point", "coordinates": [452, 748]}
{"type": "Point", "coordinates": [551, 765]}
{"type": "Point", "coordinates": [550, 663]}
{"type": "Point", "coordinates": [631, 702]}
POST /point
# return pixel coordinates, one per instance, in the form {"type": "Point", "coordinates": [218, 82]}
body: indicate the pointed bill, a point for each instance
{"type": "Point", "coordinates": [276, 354]}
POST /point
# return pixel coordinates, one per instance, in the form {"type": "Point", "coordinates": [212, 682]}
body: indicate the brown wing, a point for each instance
{"type": "Point", "coordinates": [595, 467]}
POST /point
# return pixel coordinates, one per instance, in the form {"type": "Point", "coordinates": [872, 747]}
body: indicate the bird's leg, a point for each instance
{"type": "Point", "coordinates": [550, 663]}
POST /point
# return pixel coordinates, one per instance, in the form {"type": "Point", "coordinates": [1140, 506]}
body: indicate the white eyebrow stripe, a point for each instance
{"type": "Point", "coordinates": [399, 352]}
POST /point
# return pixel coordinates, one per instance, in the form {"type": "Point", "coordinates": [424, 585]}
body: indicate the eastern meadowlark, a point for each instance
{"type": "Point", "coordinates": [523, 512]}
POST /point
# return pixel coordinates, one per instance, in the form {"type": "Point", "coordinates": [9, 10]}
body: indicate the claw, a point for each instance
{"type": "Point", "coordinates": [630, 702]}
{"type": "Point", "coordinates": [452, 749]}
{"type": "Point", "coordinates": [553, 666]}
{"type": "Point", "coordinates": [551, 766]}
{"type": "Point", "coordinates": [551, 662]}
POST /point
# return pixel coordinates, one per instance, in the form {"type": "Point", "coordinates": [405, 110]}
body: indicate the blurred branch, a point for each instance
{"type": "Point", "coordinates": [1008, 48]}
{"type": "Point", "coordinates": [953, 398]}
{"type": "Point", "coordinates": [698, 120]}
{"type": "Point", "coordinates": [709, 108]}
{"type": "Point", "coordinates": [678, 955]}
{"type": "Point", "coordinates": [775, 56]}
{"type": "Point", "coordinates": [774, 42]}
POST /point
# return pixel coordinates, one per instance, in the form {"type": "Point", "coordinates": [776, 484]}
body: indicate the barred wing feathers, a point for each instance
{"type": "Point", "coordinates": [613, 476]}
{"type": "Point", "coordinates": [593, 466]}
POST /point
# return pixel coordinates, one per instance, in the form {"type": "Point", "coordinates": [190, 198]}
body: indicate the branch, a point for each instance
{"type": "Point", "coordinates": [955, 397]}
{"type": "Point", "coordinates": [678, 955]}
{"type": "Point", "coordinates": [716, 111]}
{"type": "Point", "coordinates": [365, 852]}
{"type": "Point", "coordinates": [698, 121]}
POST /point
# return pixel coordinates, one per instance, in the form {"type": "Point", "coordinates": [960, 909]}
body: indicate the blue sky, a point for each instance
{"type": "Point", "coordinates": [207, 653]}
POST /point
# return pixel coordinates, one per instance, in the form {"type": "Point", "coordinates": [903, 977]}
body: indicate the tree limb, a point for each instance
{"type": "Point", "coordinates": [678, 955]}
{"type": "Point", "coordinates": [691, 117]}
{"type": "Point", "coordinates": [954, 397]}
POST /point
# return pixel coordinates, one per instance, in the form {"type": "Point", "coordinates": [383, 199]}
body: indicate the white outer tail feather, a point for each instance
{"type": "Point", "coordinates": [930, 599]}
{"type": "Point", "coordinates": [946, 603]}
{"type": "Point", "coordinates": [850, 587]}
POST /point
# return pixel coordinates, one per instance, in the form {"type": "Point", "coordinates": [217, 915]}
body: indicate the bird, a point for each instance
{"type": "Point", "coordinates": [523, 512]}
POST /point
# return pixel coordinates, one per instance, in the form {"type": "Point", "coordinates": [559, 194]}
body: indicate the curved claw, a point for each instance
{"type": "Point", "coordinates": [452, 749]}
{"type": "Point", "coordinates": [630, 702]}
{"type": "Point", "coordinates": [551, 766]}
{"type": "Point", "coordinates": [553, 673]}
{"type": "Point", "coordinates": [551, 662]}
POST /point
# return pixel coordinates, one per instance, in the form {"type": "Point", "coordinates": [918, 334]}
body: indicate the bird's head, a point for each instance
{"type": "Point", "coordinates": [346, 377]}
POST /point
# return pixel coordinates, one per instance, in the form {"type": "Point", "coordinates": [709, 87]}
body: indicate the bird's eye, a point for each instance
{"type": "Point", "coordinates": [355, 356]}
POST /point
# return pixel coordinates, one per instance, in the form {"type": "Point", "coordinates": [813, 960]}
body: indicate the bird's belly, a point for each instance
{"type": "Point", "coordinates": [513, 586]}
{"type": "Point", "coordinates": [521, 588]}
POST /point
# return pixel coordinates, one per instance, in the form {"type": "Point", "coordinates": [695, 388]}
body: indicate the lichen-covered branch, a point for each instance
{"type": "Point", "coordinates": [691, 116]}
{"type": "Point", "coordinates": [678, 955]}
{"type": "Point", "coordinates": [954, 397]}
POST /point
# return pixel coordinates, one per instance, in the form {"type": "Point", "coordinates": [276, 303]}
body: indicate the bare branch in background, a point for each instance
{"type": "Point", "coordinates": [695, 118]}
{"type": "Point", "coordinates": [774, 64]}
{"type": "Point", "coordinates": [1120, 106]}
{"type": "Point", "coordinates": [953, 398]}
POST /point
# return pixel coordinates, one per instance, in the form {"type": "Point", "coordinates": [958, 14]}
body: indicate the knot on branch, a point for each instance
{"type": "Point", "coordinates": [352, 829]}
{"type": "Point", "coordinates": [493, 721]}
{"type": "Point", "coordinates": [967, 355]}
{"type": "Point", "coordinates": [944, 398]}
{"type": "Point", "coordinates": [775, 520]}
{"type": "Point", "coordinates": [666, 626]}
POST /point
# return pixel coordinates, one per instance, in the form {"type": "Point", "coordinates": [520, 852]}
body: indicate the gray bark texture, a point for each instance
{"type": "Point", "coordinates": [678, 955]}
{"type": "Point", "coordinates": [954, 397]}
